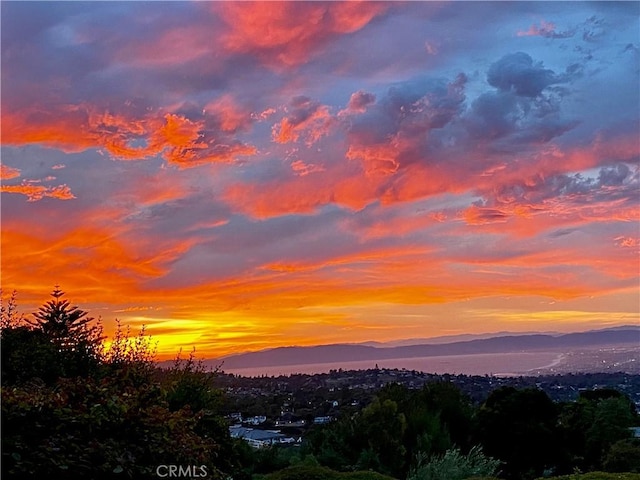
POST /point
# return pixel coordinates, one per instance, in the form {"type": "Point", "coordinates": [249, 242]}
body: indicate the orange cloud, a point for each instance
{"type": "Point", "coordinates": [310, 121]}
{"type": "Point", "coordinates": [230, 116]}
{"type": "Point", "coordinates": [264, 309]}
{"type": "Point", "coordinates": [377, 158]}
{"type": "Point", "coordinates": [76, 128]}
{"type": "Point", "coordinates": [7, 172]}
{"type": "Point", "coordinates": [38, 192]}
{"type": "Point", "coordinates": [341, 185]}
{"type": "Point", "coordinates": [289, 33]}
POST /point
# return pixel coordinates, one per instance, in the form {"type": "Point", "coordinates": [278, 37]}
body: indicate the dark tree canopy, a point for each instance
{"type": "Point", "coordinates": [75, 336]}
{"type": "Point", "coordinates": [66, 325]}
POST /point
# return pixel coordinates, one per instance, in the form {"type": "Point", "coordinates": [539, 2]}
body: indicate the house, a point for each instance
{"type": "Point", "coordinates": [287, 419]}
{"type": "Point", "coordinates": [258, 438]}
{"type": "Point", "coordinates": [257, 420]}
{"type": "Point", "coordinates": [322, 420]}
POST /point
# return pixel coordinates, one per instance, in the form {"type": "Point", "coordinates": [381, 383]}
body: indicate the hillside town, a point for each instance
{"type": "Point", "coordinates": [281, 410]}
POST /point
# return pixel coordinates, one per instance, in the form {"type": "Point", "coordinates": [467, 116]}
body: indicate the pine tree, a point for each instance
{"type": "Point", "coordinates": [72, 331]}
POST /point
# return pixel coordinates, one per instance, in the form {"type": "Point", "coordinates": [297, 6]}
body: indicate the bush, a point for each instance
{"type": "Point", "coordinates": [83, 428]}
{"type": "Point", "coordinates": [623, 456]}
{"type": "Point", "coordinates": [454, 466]}
{"type": "Point", "coordinates": [597, 476]}
{"type": "Point", "coordinates": [305, 472]}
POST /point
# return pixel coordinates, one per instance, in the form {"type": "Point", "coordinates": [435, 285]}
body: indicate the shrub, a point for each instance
{"type": "Point", "coordinates": [454, 466]}
{"type": "Point", "coordinates": [83, 428]}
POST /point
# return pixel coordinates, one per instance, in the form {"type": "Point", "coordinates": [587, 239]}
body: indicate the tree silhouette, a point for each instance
{"type": "Point", "coordinates": [75, 335]}
{"type": "Point", "coordinates": [66, 325]}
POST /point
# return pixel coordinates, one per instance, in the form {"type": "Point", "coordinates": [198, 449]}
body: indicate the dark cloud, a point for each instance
{"type": "Point", "coordinates": [495, 114]}
{"type": "Point", "coordinates": [614, 175]}
{"type": "Point", "coordinates": [518, 73]}
{"type": "Point", "coordinates": [525, 108]}
{"type": "Point", "coordinates": [396, 129]}
{"type": "Point", "coordinates": [613, 183]}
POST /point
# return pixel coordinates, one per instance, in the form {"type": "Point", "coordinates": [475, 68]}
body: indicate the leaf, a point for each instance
{"type": "Point", "coordinates": [118, 469]}
{"type": "Point", "coordinates": [16, 457]}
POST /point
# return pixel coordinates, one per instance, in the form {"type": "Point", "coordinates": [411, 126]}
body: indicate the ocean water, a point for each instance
{"type": "Point", "coordinates": [499, 364]}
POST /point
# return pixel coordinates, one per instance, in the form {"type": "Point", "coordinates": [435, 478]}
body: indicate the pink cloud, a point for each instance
{"type": "Point", "coordinates": [307, 120]}
{"type": "Point", "coordinates": [359, 101]}
{"type": "Point", "coordinates": [300, 168]}
{"type": "Point", "coordinates": [546, 29]}
{"type": "Point", "coordinates": [285, 34]}
{"type": "Point", "coordinates": [229, 115]}
{"type": "Point", "coordinates": [176, 46]}
{"type": "Point", "coordinates": [627, 242]}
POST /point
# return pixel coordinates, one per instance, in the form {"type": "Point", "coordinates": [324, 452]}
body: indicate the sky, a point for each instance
{"type": "Point", "coordinates": [237, 176]}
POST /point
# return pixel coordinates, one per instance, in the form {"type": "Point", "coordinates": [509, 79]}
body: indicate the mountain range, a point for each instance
{"type": "Point", "coordinates": [501, 342]}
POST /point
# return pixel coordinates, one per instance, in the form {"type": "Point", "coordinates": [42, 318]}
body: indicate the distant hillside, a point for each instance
{"type": "Point", "coordinates": [503, 344]}
{"type": "Point", "coordinates": [464, 337]}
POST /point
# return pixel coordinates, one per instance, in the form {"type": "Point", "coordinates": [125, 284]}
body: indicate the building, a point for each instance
{"type": "Point", "coordinates": [322, 420]}
{"type": "Point", "coordinates": [257, 420]}
{"type": "Point", "coordinates": [260, 438]}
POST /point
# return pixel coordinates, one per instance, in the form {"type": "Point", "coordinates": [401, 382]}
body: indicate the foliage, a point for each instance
{"type": "Point", "coordinates": [68, 327]}
{"type": "Point", "coordinates": [623, 456]}
{"type": "Point", "coordinates": [189, 384]}
{"type": "Point", "coordinates": [453, 465]}
{"type": "Point", "coordinates": [596, 476]}
{"type": "Point", "coordinates": [123, 415]}
{"type": "Point", "coordinates": [28, 354]}
{"type": "Point", "coordinates": [129, 359]}
{"type": "Point", "coordinates": [305, 472]}
{"type": "Point", "coordinates": [77, 338]}
{"type": "Point", "coordinates": [125, 349]}
{"type": "Point", "coordinates": [9, 315]}
{"type": "Point", "coordinates": [518, 427]}
{"type": "Point", "coordinates": [397, 424]}
{"type": "Point", "coordinates": [85, 428]}
{"type": "Point", "coordinates": [593, 424]}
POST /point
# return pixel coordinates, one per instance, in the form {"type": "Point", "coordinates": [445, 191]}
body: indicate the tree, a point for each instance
{"type": "Point", "coordinates": [67, 325]}
{"type": "Point", "coordinates": [28, 354]}
{"type": "Point", "coordinates": [9, 316]}
{"type": "Point", "coordinates": [76, 336]}
{"type": "Point", "coordinates": [611, 421]}
{"type": "Point", "coordinates": [592, 424]}
{"type": "Point", "coordinates": [623, 456]}
{"type": "Point", "coordinates": [382, 427]}
{"type": "Point", "coordinates": [519, 428]}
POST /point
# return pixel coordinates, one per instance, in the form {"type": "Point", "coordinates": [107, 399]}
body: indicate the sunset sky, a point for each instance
{"type": "Point", "coordinates": [238, 176]}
